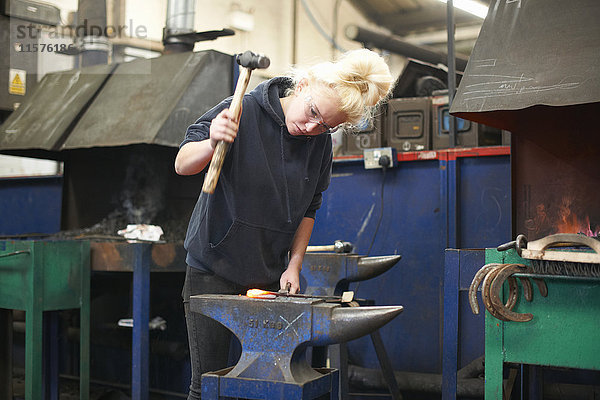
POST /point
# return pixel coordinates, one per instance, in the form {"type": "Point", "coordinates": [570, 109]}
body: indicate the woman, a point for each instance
{"type": "Point", "coordinates": [252, 232]}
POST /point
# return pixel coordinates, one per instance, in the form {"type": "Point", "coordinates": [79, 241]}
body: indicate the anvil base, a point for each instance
{"type": "Point", "coordinates": [215, 385]}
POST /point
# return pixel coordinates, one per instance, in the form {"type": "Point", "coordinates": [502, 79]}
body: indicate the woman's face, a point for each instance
{"type": "Point", "coordinates": [312, 110]}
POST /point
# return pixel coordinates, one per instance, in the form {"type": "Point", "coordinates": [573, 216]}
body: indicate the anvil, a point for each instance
{"type": "Point", "coordinates": [275, 333]}
{"type": "Point", "coordinates": [329, 274]}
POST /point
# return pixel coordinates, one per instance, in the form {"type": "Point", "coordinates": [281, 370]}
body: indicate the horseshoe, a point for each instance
{"type": "Point", "coordinates": [513, 293]}
{"type": "Point", "coordinates": [541, 284]}
{"type": "Point", "coordinates": [485, 293]}
{"type": "Point", "coordinates": [496, 287]}
{"type": "Point", "coordinates": [527, 289]}
{"type": "Point", "coordinates": [483, 271]}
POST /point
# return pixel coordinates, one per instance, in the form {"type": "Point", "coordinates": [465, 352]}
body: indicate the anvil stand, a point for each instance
{"type": "Point", "coordinates": [338, 359]}
{"type": "Point", "coordinates": [317, 388]}
{"type": "Point", "coordinates": [330, 274]}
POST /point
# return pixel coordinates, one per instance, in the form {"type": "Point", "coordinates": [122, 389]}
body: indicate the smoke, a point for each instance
{"type": "Point", "coordinates": [143, 193]}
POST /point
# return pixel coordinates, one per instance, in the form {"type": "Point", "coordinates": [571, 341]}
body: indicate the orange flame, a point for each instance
{"type": "Point", "coordinates": [569, 222]}
{"type": "Point", "coordinates": [260, 294]}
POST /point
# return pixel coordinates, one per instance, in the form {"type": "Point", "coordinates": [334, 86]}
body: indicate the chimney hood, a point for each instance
{"type": "Point", "coordinates": [149, 101]}
{"type": "Point", "coordinates": [532, 57]}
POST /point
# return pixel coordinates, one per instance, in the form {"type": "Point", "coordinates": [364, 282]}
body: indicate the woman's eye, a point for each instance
{"type": "Point", "coordinates": [313, 113]}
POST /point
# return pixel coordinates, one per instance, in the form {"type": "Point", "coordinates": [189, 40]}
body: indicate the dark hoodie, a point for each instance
{"type": "Point", "coordinates": [269, 182]}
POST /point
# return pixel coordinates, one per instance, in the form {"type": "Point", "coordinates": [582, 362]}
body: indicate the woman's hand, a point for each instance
{"type": "Point", "coordinates": [223, 127]}
{"type": "Point", "coordinates": [292, 276]}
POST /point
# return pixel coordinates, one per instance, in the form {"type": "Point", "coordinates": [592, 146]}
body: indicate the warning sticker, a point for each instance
{"type": "Point", "coordinates": [17, 79]}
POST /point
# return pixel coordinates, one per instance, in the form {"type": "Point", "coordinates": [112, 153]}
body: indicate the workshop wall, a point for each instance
{"type": "Point", "coordinates": [423, 212]}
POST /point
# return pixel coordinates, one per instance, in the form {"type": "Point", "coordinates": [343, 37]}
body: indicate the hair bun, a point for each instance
{"type": "Point", "coordinates": [361, 79]}
{"type": "Point", "coordinates": [358, 81]}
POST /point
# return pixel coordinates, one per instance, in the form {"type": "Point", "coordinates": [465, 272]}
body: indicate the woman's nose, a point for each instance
{"type": "Point", "coordinates": [312, 126]}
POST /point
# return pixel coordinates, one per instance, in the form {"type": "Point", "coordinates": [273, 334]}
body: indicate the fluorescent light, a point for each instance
{"type": "Point", "coordinates": [471, 6]}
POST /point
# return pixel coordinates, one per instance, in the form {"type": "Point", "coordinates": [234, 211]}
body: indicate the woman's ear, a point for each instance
{"type": "Point", "coordinates": [302, 83]}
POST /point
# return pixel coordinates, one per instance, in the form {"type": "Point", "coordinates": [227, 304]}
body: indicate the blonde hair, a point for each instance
{"type": "Point", "coordinates": [360, 78]}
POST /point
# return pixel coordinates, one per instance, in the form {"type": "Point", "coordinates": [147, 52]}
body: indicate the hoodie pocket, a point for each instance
{"type": "Point", "coordinates": [250, 254]}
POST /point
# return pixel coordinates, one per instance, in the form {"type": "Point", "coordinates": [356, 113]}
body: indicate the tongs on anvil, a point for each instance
{"type": "Point", "coordinates": [346, 297]}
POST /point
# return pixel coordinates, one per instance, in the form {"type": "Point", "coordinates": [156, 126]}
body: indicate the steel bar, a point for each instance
{"type": "Point", "coordinates": [386, 366]}
{"type": "Point", "coordinates": [413, 382]}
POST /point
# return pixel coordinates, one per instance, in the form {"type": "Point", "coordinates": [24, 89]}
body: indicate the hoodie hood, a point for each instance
{"type": "Point", "coordinates": [268, 95]}
{"type": "Point", "coordinates": [269, 182]}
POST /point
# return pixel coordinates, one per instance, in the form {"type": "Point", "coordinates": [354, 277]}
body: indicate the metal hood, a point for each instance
{"type": "Point", "coordinates": [539, 57]}
{"type": "Point", "coordinates": [140, 102]}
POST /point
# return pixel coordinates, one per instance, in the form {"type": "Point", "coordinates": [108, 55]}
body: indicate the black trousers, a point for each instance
{"type": "Point", "coordinates": [209, 341]}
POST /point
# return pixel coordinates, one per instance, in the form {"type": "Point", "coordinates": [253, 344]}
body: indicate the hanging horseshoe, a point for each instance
{"type": "Point", "coordinates": [527, 289]}
{"type": "Point", "coordinates": [513, 293]}
{"type": "Point", "coordinates": [483, 271]}
{"type": "Point", "coordinates": [485, 293]}
{"type": "Point", "coordinates": [496, 286]}
{"type": "Point", "coordinates": [541, 284]}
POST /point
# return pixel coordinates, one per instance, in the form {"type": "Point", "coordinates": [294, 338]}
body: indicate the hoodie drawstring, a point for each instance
{"type": "Point", "coordinates": [285, 182]}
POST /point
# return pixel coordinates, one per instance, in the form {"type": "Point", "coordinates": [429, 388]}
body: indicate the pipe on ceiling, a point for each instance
{"type": "Point", "coordinates": [396, 45]}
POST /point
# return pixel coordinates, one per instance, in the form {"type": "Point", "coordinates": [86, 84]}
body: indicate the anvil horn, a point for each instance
{"type": "Point", "coordinates": [370, 267]}
{"type": "Point", "coordinates": [349, 323]}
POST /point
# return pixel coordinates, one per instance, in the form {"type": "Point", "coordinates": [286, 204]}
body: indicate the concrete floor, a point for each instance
{"type": "Point", "coordinates": [69, 390]}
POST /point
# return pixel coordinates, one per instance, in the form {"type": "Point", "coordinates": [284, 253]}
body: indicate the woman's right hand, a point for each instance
{"type": "Point", "coordinates": [223, 127]}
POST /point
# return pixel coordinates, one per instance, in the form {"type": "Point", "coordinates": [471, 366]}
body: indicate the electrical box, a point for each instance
{"type": "Point", "coordinates": [468, 133]}
{"type": "Point", "coordinates": [368, 137]}
{"type": "Point", "coordinates": [372, 157]}
{"type": "Point", "coordinates": [31, 11]}
{"type": "Point", "coordinates": [408, 125]}
{"type": "Point", "coordinates": [18, 70]}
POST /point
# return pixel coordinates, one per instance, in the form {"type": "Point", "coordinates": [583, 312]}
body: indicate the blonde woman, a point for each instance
{"type": "Point", "coordinates": [253, 231]}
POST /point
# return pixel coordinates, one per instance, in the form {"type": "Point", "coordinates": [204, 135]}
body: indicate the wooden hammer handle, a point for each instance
{"type": "Point", "coordinates": [313, 249]}
{"type": "Point", "coordinates": [216, 163]}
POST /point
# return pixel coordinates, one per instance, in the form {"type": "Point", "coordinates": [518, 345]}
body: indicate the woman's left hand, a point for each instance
{"type": "Point", "coordinates": [292, 276]}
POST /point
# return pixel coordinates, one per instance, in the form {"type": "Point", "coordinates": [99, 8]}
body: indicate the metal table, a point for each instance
{"type": "Point", "coordinates": [38, 276]}
{"type": "Point", "coordinates": [140, 259]}
{"type": "Point", "coordinates": [562, 333]}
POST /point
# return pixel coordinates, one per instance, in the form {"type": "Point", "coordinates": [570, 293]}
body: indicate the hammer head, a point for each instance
{"type": "Point", "coordinates": [342, 247]}
{"type": "Point", "coordinates": [251, 60]}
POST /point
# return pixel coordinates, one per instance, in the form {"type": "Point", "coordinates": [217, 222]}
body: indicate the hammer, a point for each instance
{"type": "Point", "coordinates": [249, 61]}
{"type": "Point", "coordinates": [338, 246]}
